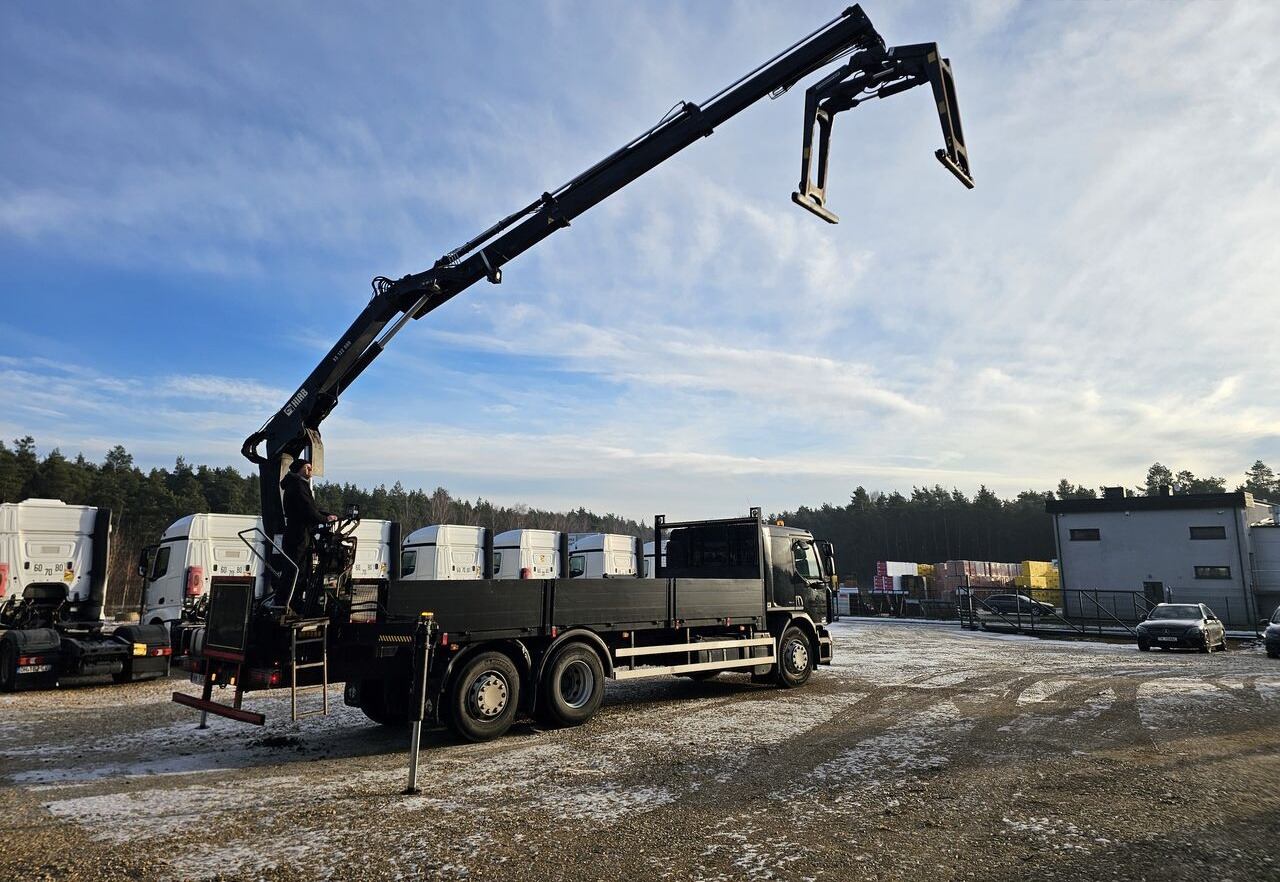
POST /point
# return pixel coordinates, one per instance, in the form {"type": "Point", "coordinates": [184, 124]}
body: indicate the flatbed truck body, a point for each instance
{"type": "Point", "coordinates": [735, 595]}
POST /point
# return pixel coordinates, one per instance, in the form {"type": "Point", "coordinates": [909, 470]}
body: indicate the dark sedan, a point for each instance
{"type": "Point", "coordinates": [1013, 605]}
{"type": "Point", "coordinates": [1271, 636]}
{"type": "Point", "coordinates": [1000, 611]}
{"type": "Point", "coordinates": [1185, 625]}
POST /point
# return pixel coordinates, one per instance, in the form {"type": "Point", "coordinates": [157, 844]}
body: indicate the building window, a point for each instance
{"type": "Point", "coordinates": [1209, 532]}
{"type": "Point", "coordinates": [1213, 572]}
{"type": "Point", "coordinates": [1086, 534]}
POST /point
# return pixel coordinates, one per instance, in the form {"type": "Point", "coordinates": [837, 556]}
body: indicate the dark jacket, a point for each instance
{"type": "Point", "coordinates": [301, 513]}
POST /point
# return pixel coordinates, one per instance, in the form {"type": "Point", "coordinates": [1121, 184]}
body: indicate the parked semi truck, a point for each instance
{"type": "Point", "coordinates": [53, 584]}
{"type": "Point", "coordinates": [733, 594]}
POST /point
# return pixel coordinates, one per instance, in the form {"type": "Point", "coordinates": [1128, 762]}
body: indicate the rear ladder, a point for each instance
{"type": "Point", "coordinates": [304, 633]}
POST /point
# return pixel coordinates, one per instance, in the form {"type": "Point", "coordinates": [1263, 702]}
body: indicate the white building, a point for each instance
{"type": "Point", "coordinates": [1190, 548]}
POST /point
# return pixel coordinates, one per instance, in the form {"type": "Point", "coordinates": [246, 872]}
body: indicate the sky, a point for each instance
{"type": "Point", "coordinates": [195, 197]}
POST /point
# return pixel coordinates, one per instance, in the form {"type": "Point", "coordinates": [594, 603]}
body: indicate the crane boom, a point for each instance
{"type": "Point", "coordinates": [872, 70]}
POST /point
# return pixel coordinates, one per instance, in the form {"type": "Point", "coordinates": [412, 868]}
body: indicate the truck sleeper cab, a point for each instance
{"type": "Point", "coordinates": [602, 556]}
{"type": "Point", "coordinates": [443, 551]}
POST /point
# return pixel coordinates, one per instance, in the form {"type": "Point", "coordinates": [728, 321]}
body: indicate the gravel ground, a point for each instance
{"type": "Point", "coordinates": [924, 753]}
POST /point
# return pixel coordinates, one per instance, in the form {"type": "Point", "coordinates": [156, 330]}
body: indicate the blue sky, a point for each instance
{"type": "Point", "coordinates": [194, 198]}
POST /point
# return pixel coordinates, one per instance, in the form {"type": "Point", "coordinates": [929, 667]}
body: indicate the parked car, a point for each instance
{"type": "Point", "coordinates": [1014, 605]}
{"type": "Point", "coordinates": [1185, 625]}
{"type": "Point", "coordinates": [1271, 636]}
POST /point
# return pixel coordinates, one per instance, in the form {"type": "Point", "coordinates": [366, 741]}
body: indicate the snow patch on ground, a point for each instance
{"type": "Point", "coordinates": [603, 804]}
{"type": "Point", "coordinates": [1056, 834]}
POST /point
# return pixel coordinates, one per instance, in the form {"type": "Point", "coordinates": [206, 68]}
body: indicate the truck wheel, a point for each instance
{"type": "Point", "coordinates": [795, 658]}
{"type": "Point", "coordinates": [8, 666]}
{"type": "Point", "coordinates": [483, 697]}
{"type": "Point", "coordinates": [572, 687]}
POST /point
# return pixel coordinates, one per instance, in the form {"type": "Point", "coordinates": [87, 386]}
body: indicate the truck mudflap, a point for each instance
{"type": "Point", "coordinates": [824, 647]}
{"type": "Point", "coordinates": [150, 652]}
{"type": "Point", "coordinates": [30, 659]}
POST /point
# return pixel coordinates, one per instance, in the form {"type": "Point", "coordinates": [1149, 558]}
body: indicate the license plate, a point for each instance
{"type": "Point", "coordinates": [34, 669]}
{"type": "Point", "coordinates": [1167, 639]}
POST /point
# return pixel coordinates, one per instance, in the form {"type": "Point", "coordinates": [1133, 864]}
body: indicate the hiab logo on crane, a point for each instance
{"type": "Point", "coordinates": [298, 398]}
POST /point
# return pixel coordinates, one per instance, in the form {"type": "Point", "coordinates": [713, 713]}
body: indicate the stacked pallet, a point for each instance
{"type": "Point", "coordinates": [954, 574]}
{"type": "Point", "coordinates": [1041, 580]}
{"type": "Point", "coordinates": [889, 577]}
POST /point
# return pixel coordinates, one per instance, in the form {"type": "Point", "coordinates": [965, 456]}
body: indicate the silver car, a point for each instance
{"type": "Point", "coordinates": [1185, 625]}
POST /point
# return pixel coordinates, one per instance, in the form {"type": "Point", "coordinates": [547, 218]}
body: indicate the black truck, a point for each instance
{"type": "Point", "coordinates": [732, 594]}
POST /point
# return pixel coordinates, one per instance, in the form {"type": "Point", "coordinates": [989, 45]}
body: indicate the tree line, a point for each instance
{"type": "Point", "coordinates": [143, 504]}
{"type": "Point", "coordinates": [934, 524]}
{"type": "Point", "coordinates": [931, 524]}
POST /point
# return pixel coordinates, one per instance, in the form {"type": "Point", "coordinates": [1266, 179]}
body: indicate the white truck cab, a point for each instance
{"type": "Point", "coordinates": [47, 546]}
{"type": "Point", "coordinates": [443, 551]}
{"type": "Point", "coordinates": [526, 554]}
{"type": "Point", "coordinates": [602, 556]}
{"type": "Point", "coordinates": [194, 549]}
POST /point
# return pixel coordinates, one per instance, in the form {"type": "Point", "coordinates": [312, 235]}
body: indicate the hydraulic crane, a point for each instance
{"type": "Point", "coordinates": [871, 70]}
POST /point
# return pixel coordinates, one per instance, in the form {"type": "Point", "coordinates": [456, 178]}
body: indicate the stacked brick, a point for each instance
{"type": "Point", "coordinates": [984, 574]}
{"type": "Point", "coordinates": [895, 577]}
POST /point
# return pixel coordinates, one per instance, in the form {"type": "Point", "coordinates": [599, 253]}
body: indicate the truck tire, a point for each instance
{"type": "Point", "coordinates": [572, 687]}
{"type": "Point", "coordinates": [483, 697]}
{"type": "Point", "coordinates": [795, 658]}
{"type": "Point", "coordinates": [8, 666]}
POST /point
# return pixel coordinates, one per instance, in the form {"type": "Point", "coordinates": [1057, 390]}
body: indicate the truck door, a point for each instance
{"type": "Point", "coordinates": [797, 575]}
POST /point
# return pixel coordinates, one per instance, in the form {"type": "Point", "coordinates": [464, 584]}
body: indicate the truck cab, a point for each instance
{"type": "Point", "coordinates": [798, 571]}
{"type": "Point", "coordinates": [602, 556]}
{"type": "Point", "coordinates": [177, 570]}
{"type": "Point", "coordinates": [443, 551]}
{"type": "Point", "coordinates": [526, 554]}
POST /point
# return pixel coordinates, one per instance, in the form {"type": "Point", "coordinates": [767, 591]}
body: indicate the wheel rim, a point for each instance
{"type": "Point", "coordinates": [796, 656]}
{"type": "Point", "coordinates": [487, 697]}
{"type": "Point", "coordinates": [576, 684]}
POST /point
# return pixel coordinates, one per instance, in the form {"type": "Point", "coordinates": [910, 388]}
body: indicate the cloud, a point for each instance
{"type": "Point", "coordinates": [213, 188]}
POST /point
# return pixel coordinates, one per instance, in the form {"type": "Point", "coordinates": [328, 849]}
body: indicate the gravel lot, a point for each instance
{"type": "Point", "coordinates": [925, 753]}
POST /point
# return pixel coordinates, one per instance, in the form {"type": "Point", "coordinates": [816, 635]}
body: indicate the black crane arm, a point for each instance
{"type": "Point", "coordinates": [295, 427]}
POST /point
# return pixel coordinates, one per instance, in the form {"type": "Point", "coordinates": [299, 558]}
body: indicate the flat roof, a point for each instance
{"type": "Point", "coordinates": [1176, 502]}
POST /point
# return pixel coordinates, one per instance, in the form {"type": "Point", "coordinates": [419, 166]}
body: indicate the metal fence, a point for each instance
{"type": "Point", "coordinates": [1090, 610]}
